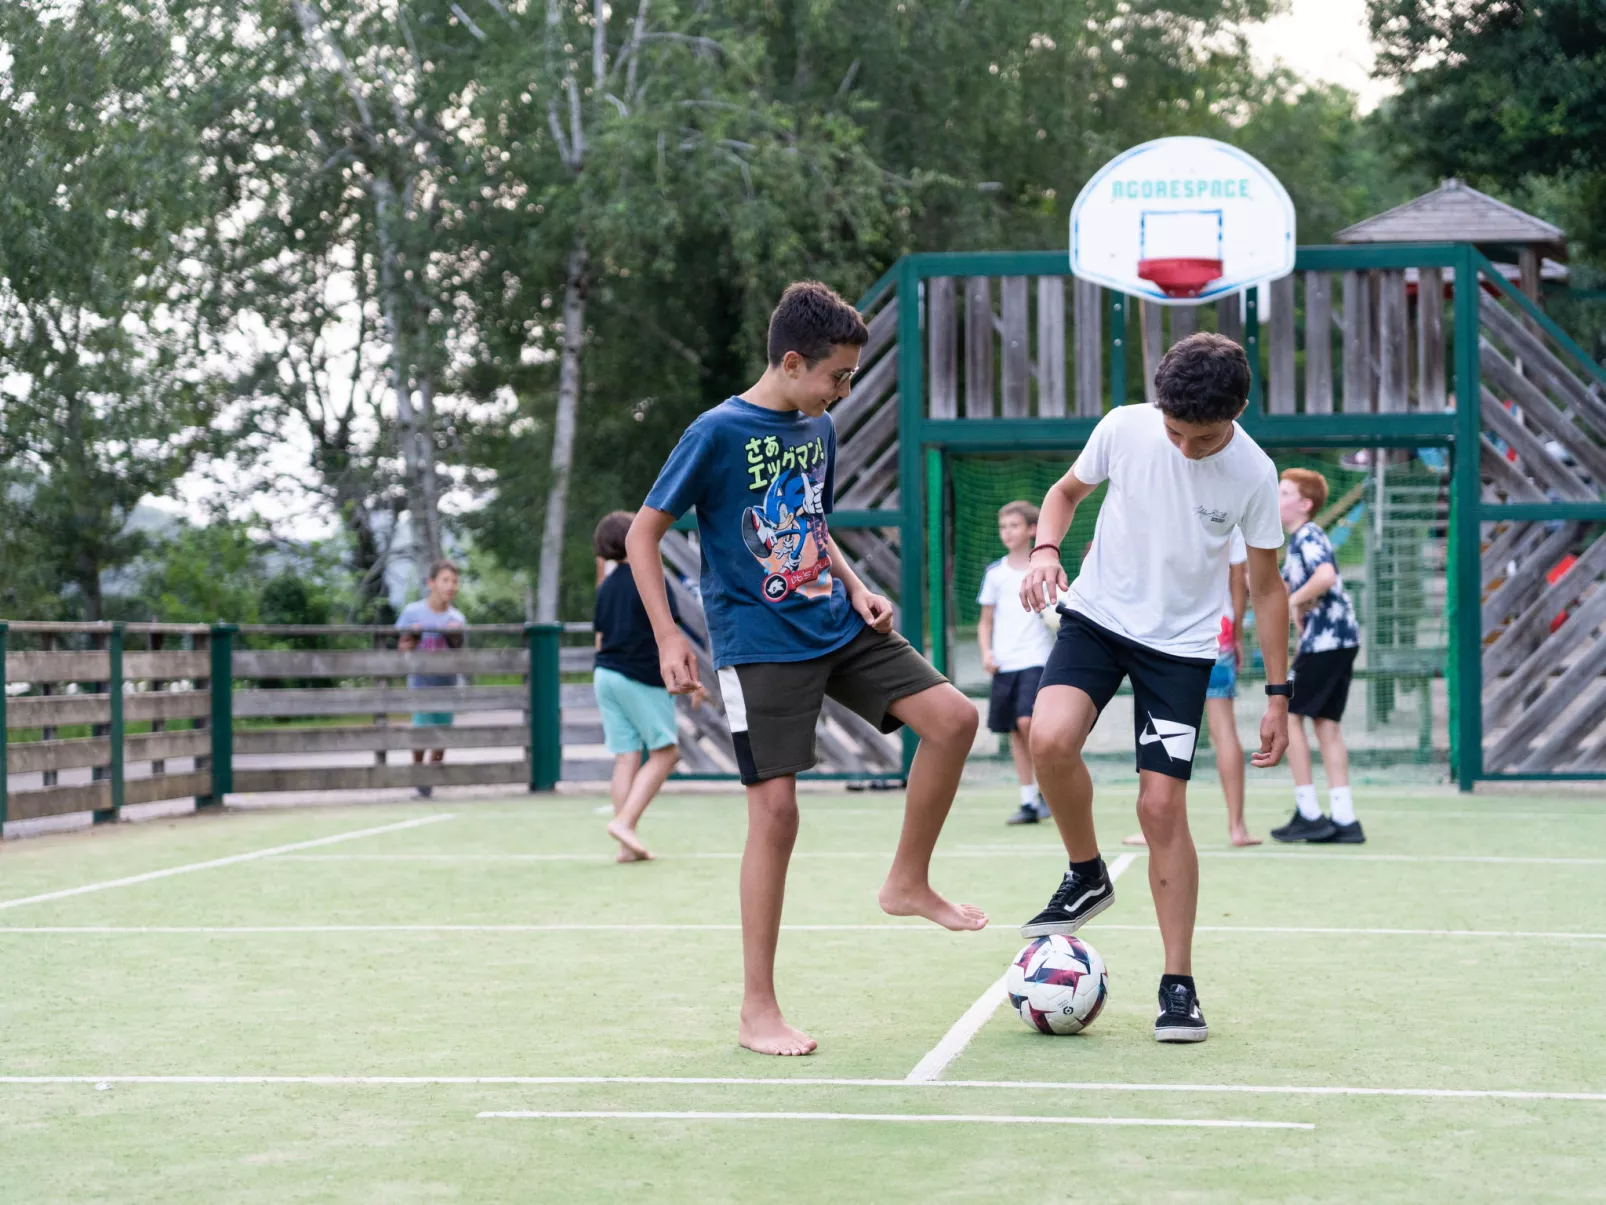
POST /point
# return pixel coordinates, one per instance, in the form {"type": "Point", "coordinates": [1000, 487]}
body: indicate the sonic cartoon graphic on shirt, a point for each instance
{"type": "Point", "coordinates": [784, 528]}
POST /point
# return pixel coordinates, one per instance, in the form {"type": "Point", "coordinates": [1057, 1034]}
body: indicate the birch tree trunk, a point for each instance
{"type": "Point", "coordinates": [557, 498]}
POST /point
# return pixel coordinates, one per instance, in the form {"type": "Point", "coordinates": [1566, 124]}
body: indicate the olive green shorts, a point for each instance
{"type": "Point", "coordinates": [773, 706]}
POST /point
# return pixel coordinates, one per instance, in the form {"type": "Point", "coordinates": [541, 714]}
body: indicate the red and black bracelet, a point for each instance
{"type": "Point", "coordinates": [1054, 548]}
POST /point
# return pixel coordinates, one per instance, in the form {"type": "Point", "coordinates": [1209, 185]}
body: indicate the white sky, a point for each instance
{"type": "Point", "coordinates": [1325, 40]}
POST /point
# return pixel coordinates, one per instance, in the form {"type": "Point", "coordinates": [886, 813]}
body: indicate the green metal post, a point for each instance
{"type": "Point", "coordinates": [546, 706]}
{"type": "Point", "coordinates": [1252, 345]}
{"type": "Point", "coordinates": [221, 650]}
{"type": "Point", "coordinates": [4, 765]}
{"type": "Point", "coordinates": [911, 417]}
{"type": "Point", "coordinates": [115, 730]}
{"type": "Point", "coordinates": [936, 559]}
{"type": "Point", "coordinates": [1466, 583]}
{"type": "Point", "coordinates": [1117, 349]}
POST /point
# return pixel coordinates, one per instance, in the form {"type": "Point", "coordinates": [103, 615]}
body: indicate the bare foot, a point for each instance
{"type": "Point", "coordinates": [923, 901]}
{"type": "Point", "coordinates": [626, 856]}
{"type": "Point", "coordinates": [768, 1033]}
{"type": "Point", "coordinates": [1135, 839]}
{"type": "Point", "coordinates": [1241, 838]}
{"type": "Point", "coordinates": [627, 837]}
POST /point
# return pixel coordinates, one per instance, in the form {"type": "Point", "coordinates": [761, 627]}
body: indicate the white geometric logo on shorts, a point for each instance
{"type": "Point", "coordinates": [1176, 739]}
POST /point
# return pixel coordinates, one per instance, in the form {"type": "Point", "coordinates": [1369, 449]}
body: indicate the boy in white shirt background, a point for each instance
{"type": "Point", "coordinates": [1014, 645]}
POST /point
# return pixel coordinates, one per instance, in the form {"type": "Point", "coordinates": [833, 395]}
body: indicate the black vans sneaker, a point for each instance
{"type": "Point", "coordinates": [1180, 1019]}
{"type": "Point", "coordinates": [1343, 834]}
{"type": "Point", "coordinates": [1078, 900]}
{"type": "Point", "coordinates": [1300, 829]}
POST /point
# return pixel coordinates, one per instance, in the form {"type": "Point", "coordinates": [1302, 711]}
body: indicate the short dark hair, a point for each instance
{"type": "Point", "coordinates": [811, 320]}
{"type": "Point", "coordinates": [1203, 379]}
{"type": "Point", "coordinates": [609, 538]}
{"type": "Point", "coordinates": [440, 567]}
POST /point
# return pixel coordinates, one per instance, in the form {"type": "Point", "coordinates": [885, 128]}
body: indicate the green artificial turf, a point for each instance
{"type": "Point", "coordinates": [1490, 994]}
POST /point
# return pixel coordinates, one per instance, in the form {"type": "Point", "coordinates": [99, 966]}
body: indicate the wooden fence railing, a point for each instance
{"type": "Point", "coordinates": [98, 717]}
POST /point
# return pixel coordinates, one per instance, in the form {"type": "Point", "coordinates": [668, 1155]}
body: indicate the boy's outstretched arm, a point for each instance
{"type": "Point", "coordinates": [676, 660]}
{"type": "Point", "coordinates": [1046, 576]}
{"type": "Point", "coordinates": [1271, 621]}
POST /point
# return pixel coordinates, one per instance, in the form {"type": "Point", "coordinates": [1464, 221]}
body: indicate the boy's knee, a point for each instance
{"type": "Point", "coordinates": [1327, 728]}
{"type": "Point", "coordinates": [1161, 811]}
{"type": "Point", "coordinates": [1024, 726]}
{"type": "Point", "coordinates": [955, 723]}
{"type": "Point", "coordinates": [1054, 743]}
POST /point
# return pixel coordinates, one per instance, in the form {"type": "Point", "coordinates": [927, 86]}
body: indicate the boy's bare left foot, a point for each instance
{"type": "Point", "coordinates": [768, 1033]}
{"type": "Point", "coordinates": [1240, 837]}
{"type": "Point", "coordinates": [923, 901]}
{"type": "Point", "coordinates": [1135, 839]}
{"type": "Point", "coordinates": [627, 837]}
{"type": "Point", "coordinates": [626, 856]}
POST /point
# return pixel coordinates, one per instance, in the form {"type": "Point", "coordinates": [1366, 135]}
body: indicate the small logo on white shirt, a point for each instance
{"type": "Point", "coordinates": [1213, 516]}
{"type": "Point", "coordinates": [1176, 739]}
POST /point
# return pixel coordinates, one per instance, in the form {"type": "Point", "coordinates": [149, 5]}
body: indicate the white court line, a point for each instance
{"type": "Point", "coordinates": [969, 1118]}
{"type": "Point", "coordinates": [867, 927]}
{"type": "Point", "coordinates": [1364, 932]}
{"type": "Point", "coordinates": [366, 1081]}
{"type": "Point", "coordinates": [231, 860]}
{"type": "Point", "coordinates": [1244, 855]}
{"type": "Point", "coordinates": [953, 1042]}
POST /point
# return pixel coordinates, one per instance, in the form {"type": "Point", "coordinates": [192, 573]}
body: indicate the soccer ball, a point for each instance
{"type": "Point", "coordinates": [1057, 984]}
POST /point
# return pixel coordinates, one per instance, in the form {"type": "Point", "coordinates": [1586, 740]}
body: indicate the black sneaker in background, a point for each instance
{"type": "Point", "coordinates": [1031, 813]}
{"type": "Point", "coordinates": [1300, 829]}
{"type": "Point", "coordinates": [424, 792]}
{"type": "Point", "coordinates": [1343, 834]}
{"type": "Point", "coordinates": [1180, 1019]}
{"type": "Point", "coordinates": [1078, 900]}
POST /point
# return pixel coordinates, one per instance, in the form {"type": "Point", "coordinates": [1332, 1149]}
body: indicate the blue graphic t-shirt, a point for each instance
{"type": "Point", "coordinates": [761, 481]}
{"type": "Point", "coordinates": [1330, 619]}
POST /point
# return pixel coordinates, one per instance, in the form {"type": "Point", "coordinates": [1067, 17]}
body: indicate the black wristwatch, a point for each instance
{"type": "Point", "coordinates": [1286, 689]}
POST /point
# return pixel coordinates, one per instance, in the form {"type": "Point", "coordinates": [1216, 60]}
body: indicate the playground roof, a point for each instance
{"type": "Point", "coordinates": [1458, 213]}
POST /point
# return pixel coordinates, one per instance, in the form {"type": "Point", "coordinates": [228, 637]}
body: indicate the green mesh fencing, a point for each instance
{"type": "Point", "coordinates": [1388, 523]}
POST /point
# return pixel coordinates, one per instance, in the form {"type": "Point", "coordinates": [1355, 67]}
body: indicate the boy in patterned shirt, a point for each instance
{"type": "Point", "coordinates": [1324, 664]}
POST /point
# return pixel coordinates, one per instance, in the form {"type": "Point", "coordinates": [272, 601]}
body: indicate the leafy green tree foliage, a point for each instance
{"type": "Point", "coordinates": [1504, 92]}
{"type": "Point", "coordinates": [105, 392]}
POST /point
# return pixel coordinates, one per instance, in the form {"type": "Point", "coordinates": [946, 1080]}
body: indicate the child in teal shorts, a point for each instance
{"type": "Point", "coordinates": [637, 711]}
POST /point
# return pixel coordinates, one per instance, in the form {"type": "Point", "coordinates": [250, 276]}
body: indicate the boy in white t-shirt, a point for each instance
{"type": "Point", "coordinates": [1014, 645]}
{"type": "Point", "coordinates": [1147, 605]}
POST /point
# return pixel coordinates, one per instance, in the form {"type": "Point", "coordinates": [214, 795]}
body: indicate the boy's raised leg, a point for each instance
{"type": "Point", "coordinates": [946, 723]}
{"type": "Point", "coordinates": [771, 833]}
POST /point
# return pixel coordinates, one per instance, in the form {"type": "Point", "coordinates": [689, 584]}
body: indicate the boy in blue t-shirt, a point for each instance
{"type": "Point", "coordinates": [432, 624]}
{"type": "Point", "coordinates": [790, 622]}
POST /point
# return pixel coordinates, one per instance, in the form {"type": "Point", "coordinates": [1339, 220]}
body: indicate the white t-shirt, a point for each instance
{"type": "Point", "coordinates": [1237, 554]}
{"type": "Point", "coordinates": [1020, 638]}
{"type": "Point", "coordinates": [1156, 570]}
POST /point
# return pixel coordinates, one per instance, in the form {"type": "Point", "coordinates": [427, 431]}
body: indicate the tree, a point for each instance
{"type": "Point", "coordinates": [1506, 93]}
{"type": "Point", "coordinates": [109, 386]}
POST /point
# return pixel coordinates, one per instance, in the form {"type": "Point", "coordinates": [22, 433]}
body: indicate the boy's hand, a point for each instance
{"type": "Point", "coordinates": [677, 662]}
{"type": "Point", "coordinates": [1273, 734]}
{"type": "Point", "coordinates": [1043, 583]}
{"type": "Point", "coordinates": [874, 610]}
{"type": "Point", "coordinates": [699, 696]}
{"type": "Point", "coordinates": [988, 665]}
{"type": "Point", "coordinates": [1238, 652]}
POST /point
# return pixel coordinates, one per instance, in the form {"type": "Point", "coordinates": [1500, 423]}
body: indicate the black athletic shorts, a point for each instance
{"type": "Point", "coordinates": [1168, 692]}
{"type": "Point", "coordinates": [1321, 683]}
{"type": "Point", "coordinates": [1014, 691]}
{"type": "Point", "coordinates": [773, 706]}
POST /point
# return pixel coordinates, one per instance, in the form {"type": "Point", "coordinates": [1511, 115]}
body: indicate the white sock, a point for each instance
{"type": "Point", "coordinates": [1305, 801]}
{"type": "Point", "coordinates": [1028, 792]}
{"type": "Point", "coordinates": [1343, 805]}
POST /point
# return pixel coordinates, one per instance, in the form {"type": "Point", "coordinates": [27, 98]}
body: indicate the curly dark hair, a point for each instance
{"type": "Point", "coordinates": [1203, 379]}
{"type": "Point", "coordinates": [811, 319]}
{"type": "Point", "coordinates": [609, 538]}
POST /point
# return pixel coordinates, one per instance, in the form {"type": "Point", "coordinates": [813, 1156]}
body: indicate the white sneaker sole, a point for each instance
{"type": "Point", "coordinates": [1064, 928]}
{"type": "Point", "coordinates": [1185, 1033]}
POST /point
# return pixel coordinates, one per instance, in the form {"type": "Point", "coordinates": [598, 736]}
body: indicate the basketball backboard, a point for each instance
{"type": "Point", "coordinates": [1181, 221]}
